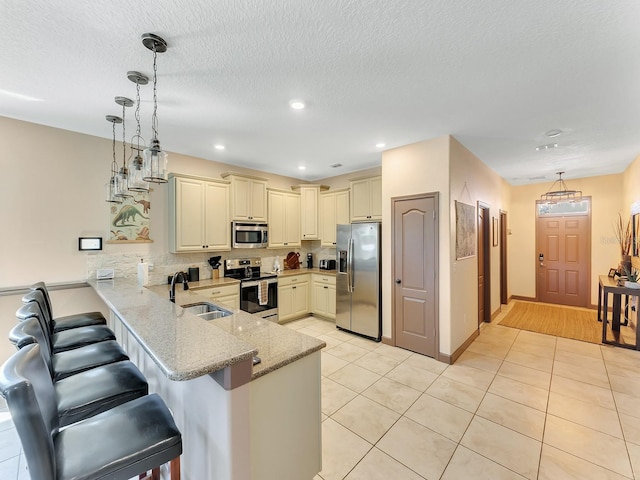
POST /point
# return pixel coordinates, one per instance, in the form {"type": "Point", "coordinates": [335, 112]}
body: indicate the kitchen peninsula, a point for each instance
{"type": "Point", "coordinates": [238, 420]}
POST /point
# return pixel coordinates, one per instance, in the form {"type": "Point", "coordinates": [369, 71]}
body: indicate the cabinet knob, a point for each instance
{"type": "Point", "coordinates": [326, 286]}
{"type": "Point", "coordinates": [293, 287]}
{"type": "Point", "coordinates": [398, 281]}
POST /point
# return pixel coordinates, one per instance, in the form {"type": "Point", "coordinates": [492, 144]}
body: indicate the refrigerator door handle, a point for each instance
{"type": "Point", "coordinates": [350, 265]}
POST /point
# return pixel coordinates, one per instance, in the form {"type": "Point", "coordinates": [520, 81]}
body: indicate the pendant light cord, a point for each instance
{"type": "Point", "coordinates": [124, 144]}
{"type": "Point", "coordinates": [114, 164]}
{"type": "Point", "coordinates": [154, 117]}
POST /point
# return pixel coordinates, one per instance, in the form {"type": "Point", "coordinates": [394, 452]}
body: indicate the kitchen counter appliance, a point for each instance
{"type": "Point", "coordinates": [249, 235]}
{"type": "Point", "coordinates": [258, 292]}
{"type": "Point", "coordinates": [358, 293]}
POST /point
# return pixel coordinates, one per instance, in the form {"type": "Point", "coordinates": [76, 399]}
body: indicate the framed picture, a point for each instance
{"type": "Point", "coordinates": [635, 240]}
{"type": "Point", "coordinates": [496, 232]}
{"type": "Point", "coordinates": [465, 230]}
{"type": "Point", "coordinates": [612, 272]}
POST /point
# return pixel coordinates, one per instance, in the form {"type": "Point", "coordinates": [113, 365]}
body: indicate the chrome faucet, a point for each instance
{"type": "Point", "coordinates": [185, 285]}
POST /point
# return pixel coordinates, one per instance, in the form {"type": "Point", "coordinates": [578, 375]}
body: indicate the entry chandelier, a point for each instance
{"type": "Point", "coordinates": [112, 186]}
{"type": "Point", "coordinates": [561, 193]}
{"type": "Point", "coordinates": [155, 159]}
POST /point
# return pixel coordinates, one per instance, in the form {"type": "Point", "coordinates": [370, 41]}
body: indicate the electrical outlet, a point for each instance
{"type": "Point", "coordinates": [104, 273]}
{"type": "Point", "coordinates": [151, 267]}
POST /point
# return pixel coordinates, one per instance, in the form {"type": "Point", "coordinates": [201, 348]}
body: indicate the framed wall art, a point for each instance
{"type": "Point", "coordinates": [465, 230]}
{"type": "Point", "coordinates": [496, 232]}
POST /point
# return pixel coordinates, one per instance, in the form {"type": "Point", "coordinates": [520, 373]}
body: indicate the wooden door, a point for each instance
{"type": "Point", "coordinates": [563, 267]}
{"type": "Point", "coordinates": [415, 270]}
{"type": "Point", "coordinates": [484, 264]}
{"type": "Point", "coordinates": [504, 295]}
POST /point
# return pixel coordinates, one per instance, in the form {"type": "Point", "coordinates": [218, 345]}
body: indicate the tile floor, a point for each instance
{"type": "Point", "coordinates": [515, 405]}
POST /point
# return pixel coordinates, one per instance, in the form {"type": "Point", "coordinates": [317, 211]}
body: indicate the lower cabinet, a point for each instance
{"type": "Point", "coordinates": [229, 295]}
{"type": "Point", "coordinates": [293, 297]}
{"type": "Point", "coordinates": [323, 295]}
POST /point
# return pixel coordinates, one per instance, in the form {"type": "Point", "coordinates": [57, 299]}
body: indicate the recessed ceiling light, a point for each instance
{"type": "Point", "coordinates": [381, 145]}
{"type": "Point", "coordinates": [548, 146]}
{"type": "Point", "coordinates": [218, 147]}
{"type": "Point", "coordinates": [554, 133]}
{"type": "Point", "coordinates": [302, 167]}
{"type": "Point", "coordinates": [19, 96]}
{"type": "Point", "coordinates": [296, 104]}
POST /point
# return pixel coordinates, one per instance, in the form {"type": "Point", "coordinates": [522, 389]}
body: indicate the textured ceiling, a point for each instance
{"type": "Point", "coordinates": [496, 74]}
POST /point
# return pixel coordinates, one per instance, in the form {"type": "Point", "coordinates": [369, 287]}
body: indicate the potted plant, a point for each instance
{"type": "Point", "coordinates": [624, 235]}
{"type": "Point", "coordinates": [633, 276]}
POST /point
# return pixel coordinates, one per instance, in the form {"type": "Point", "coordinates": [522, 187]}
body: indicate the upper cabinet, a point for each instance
{"type": "Point", "coordinates": [198, 214]}
{"type": "Point", "coordinates": [248, 197]}
{"type": "Point", "coordinates": [309, 206]}
{"type": "Point", "coordinates": [366, 199]}
{"type": "Point", "coordinates": [334, 210]}
{"type": "Point", "coordinates": [284, 218]}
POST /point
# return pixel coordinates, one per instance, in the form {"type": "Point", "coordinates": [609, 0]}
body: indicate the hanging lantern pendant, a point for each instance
{"type": "Point", "coordinates": [122, 182]}
{"type": "Point", "coordinates": [111, 186]}
{"type": "Point", "coordinates": [154, 158]}
{"type": "Point", "coordinates": [135, 179]}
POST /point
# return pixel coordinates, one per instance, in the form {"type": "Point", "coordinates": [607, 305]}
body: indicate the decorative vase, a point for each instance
{"type": "Point", "coordinates": [629, 284]}
{"type": "Point", "coordinates": [625, 265]}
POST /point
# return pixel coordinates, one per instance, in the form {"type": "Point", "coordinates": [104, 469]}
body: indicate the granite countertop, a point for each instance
{"type": "Point", "coordinates": [185, 346]}
{"type": "Point", "coordinates": [301, 271]}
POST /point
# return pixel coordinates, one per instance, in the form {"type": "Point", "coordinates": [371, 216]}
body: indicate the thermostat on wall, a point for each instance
{"type": "Point", "coordinates": [89, 243]}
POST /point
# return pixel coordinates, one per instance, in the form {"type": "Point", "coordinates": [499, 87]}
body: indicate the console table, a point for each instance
{"type": "Point", "coordinates": [609, 286]}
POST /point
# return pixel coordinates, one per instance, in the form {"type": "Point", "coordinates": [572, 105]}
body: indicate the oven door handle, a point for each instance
{"type": "Point", "coordinates": [254, 283]}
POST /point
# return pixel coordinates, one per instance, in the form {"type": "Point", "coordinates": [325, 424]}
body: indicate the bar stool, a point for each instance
{"type": "Point", "coordinates": [70, 362]}
{"type": "Point", "coordinates": [118, 444]}
{"type": "Point", "coordinates": [66, 339]}
{"type": "Point", "coordinates": [68, 321]}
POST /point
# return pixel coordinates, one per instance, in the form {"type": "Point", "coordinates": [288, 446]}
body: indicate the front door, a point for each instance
{"type": "Point", "coordinates": [415, 257]}
{"type": "Point", "coordinates": [563, 253]}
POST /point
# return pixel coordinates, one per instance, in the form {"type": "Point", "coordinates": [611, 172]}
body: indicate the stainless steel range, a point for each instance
{"type": "Point", "coordinates": [258, 293]}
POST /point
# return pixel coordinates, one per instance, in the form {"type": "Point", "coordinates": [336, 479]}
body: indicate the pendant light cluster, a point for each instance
{"type": "Point", "coordinates": [151, 167]}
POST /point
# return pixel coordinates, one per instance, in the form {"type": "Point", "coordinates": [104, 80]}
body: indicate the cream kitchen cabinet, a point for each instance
{"type": "Point", "coordinates": [228, 295]}
{"type": "Point", "coordinates": [366, 199]}
{"type": "Point", "coordinates": [334, 210]}
{"type": "Point", "coordinates": [198, 214]}
{"type": "Point", "coordinates": [323, 295]}
{"type": "Point", "coordinates": [309, 210]}
{"type": "Point", "coordinates": [248, 197]}
{"type": "Point", "coordinates": [284, 218]}
{"type": "Point", "coordinates": [293, 297]}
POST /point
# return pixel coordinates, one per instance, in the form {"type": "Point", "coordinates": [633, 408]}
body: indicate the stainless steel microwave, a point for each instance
{"type": "Point", "coordinates": [249, 235]}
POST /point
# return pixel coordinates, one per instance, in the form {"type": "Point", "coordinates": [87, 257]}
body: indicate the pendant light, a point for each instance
{"type": "Point", "coordinates": [111, 186]}
{"type": "Point", "coordinates": [122, 189]}
{"type": "Point", "coordinates": [135, 179]}
{"type": "Point", "coordinates": [561, 193]}
{"type": "Point", "coordinates": [155, 159]}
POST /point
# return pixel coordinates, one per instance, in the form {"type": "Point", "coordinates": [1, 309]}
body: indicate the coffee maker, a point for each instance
{"type": "Point", "coordinates": [309, 260]}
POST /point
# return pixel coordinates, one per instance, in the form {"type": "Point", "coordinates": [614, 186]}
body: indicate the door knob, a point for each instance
{"type": "Point", "coordinates": [398, 281]}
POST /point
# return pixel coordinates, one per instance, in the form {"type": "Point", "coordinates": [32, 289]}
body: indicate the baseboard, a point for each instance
{"type": "Point", "coordinates": [388, 341]}
{"type": "Point", "coordinates": [496, 313]}
{"type": "Point", "coordinates": [520, 297]}
{"type": "Point", "coordinates": [450, 359]}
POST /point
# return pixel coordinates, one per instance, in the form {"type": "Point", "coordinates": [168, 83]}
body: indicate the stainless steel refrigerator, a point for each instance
{"type": "Point", "coordinates": [358, 293]}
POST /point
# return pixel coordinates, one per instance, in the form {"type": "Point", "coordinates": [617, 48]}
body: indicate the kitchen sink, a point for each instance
{"type": "Point", "coordinates": [206, 310]}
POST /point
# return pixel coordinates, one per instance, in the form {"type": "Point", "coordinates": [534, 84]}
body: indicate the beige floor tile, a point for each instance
{"type": "Point", "coordinates": [622, 369]}
{"type": "Point", "coordinates": [576, 346]}
{"type": "Point", "coordinates": [9, 468]}
{"type": "Point", "coordinates": [354, 377]}
{"type": "Point", "coordinates": [330, 341]}
{"type": "Point", "coordinates": [364, 343]}
{"type": "Point", "coordinates": [469, 375]}
{"type": "Point", "coordinates": [347, 352]}
{"type": "Point", "coordinates": [579, 359]}
{"type": "Point", "coordinates": [323, 326]}
{"type": "Point", "coordinates": [426, 363]}
{"type": "Point", "coordinates": [485, 348]}
{"type": "Point", "coordinates": [631, 428]}
{"type": "Point", "coordinates": [377, 363]}
{"type": "Point", "coordinates": [334, 396]}
{"type": "Point", "coordinates": [341, 450]}
{"type": "Point", "coordinates": [544, 364]}
{"type": "Point", "coordinates": [440, 416]}
{"type": "Point", "coordinates": [392, 394]}
{"type": "Point", "coordinates": [604, 450]}
{"type": "Point", "coordinates": [585, 413]}
{"type": "Point", "coordinates": [621, 355]}
{"type": "Point", "coordinates": [9, 444]}
{"type": "Point", "coordinates": [366, 418]}
{"type": "Point", "coordinates": [534, 349]}
{"type": "Point", "coordinates": [627, 404]}
{"type": "Point", "coordinates": [303, 322]}
{"type": "Point", "coordinates": [408, 442]}
{"type": "Point", "coordinates": [397, 354]}
{"type": "Point", "coordinates": [377, 465]}
{"type": "Point", "coordinates": [456, 393]}
{"type": "Point", "coordinates": [583, 391]}
{"type": "Point", "coordinates": [556, 464]}
{"type": "Point", "coordinates": [479, 361]}
{"type": "Point", "coordinates": [530, 376]}
{"type": "Point", "coordinates": [634, 456]}
{"type": "Point", "coordinates": [519, 392]}
{"type": "Point", "coordinates": [525, 420]}
{"type": "Point", "coordinates": [341, 335]}
{"type": "Point", "coordinates": [542, 339]}
{"type": "Point", "coordinates": [413, 377]}
{"type": "Point", "coordinates": [502, 445]}
{"type": "Point", "coordinates": [330, 364]}
{"type": "Point", "coordinates": [467, 464]}
{"type": "Point", "coordinates": [628, 385]}
{"type": "Point", "coordinates": [309, 331]}
{"type": "Point", "coordinates": [590, 375]}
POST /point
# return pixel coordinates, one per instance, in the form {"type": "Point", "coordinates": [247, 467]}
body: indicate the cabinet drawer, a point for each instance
{"type": "Point", "coordinates": [326, 279]}
{"type": "Point", "coordinates": [221, 291]}
{"type": "Point", "coordinates": [292, 280]}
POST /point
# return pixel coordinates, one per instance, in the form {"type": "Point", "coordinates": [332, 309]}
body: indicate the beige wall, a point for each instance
{"type": "Point", "coordinates": [631, 195]}
{"type": "Point", "coordinates": [607, 200]}
{"type": "Point", "coordinates": [342, 181]}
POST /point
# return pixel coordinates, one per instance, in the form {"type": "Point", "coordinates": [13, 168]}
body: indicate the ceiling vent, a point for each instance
{"type": "Point", "coordinates": [336, 165]}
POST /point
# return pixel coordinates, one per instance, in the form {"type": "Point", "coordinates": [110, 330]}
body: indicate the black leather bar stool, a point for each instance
{"type": "Point", "coordinates": [117, 444]}
{"type": "Point", "coordinates": [66, 339]}
{"type": "Point", "coordinates": [70, 362]}
{"type": "Point", "coordinates": [68, 321]}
